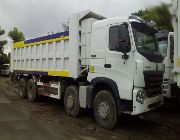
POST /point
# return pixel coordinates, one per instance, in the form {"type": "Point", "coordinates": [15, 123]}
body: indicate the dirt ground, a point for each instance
{"type": "Point", "coordinates": [49, 115]}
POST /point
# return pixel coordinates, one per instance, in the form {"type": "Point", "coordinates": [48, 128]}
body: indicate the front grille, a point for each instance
{"type": "Point", "coordinates": [153, 81]}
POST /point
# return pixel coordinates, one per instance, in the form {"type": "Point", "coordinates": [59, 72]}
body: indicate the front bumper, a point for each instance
{"type": "Point", "coordinates": [148, 104]}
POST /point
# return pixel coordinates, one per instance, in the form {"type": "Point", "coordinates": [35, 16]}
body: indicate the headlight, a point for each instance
{"type": "Point", "coordinates": [141, 96]}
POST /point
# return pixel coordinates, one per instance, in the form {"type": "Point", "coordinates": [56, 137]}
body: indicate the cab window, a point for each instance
{"type": "Point", "coordinates": [119, 38]}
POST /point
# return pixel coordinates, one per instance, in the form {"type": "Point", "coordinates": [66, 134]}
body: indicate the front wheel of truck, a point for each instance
{"type": "Point", "coordinates": [105, 109]}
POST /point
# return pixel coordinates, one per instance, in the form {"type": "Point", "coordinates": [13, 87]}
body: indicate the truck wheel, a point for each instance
{"type": "Point", "coordinates": [31, 90]}
{"type": "Point", "coordinates": [71, 101]}
{"type": "Point", "coordinates": [105, 110]}
{"type": "Point", "coordinates": [22, 88]}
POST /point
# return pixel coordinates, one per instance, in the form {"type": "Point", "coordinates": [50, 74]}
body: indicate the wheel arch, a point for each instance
{"type": "Point", "coordinates": [105, 83]}
{"type": "Point", "coordinates": [100, 83]}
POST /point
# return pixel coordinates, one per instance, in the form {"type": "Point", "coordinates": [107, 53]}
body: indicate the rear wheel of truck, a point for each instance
{"type": "Point", "coordinates": [22, 88]}
{"type": "Point", "coordinates": [31, 91]}
{"type": "Point", "coordinates": [105, 109]}
{"type": "Point", "coordinates": [71, 101]}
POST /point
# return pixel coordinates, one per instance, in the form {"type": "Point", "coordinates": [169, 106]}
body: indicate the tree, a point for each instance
{"type": "Point", "coordinates": [16, 35]}
{"type": "Point", "coordinates": [160, 14]}
{"type": "Point", "coordinates": [2, 42]}
{"type": "Point", "coordinates": [65, 26]}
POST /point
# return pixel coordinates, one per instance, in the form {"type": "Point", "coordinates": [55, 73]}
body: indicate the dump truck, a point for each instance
{"type": "Point", "coordinates": [166, 47]}
{"type": "Point", "coordinates": [112, 65]}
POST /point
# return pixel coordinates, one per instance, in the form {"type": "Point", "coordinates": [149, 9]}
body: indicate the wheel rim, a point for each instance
{"type": "Point", "coordinates": [103, 110]}
{"type": "Point", "coordinates": [70, 101]}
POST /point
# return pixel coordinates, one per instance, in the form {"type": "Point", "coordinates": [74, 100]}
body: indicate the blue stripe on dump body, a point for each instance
{"type": "Point", "coordinates": [57, 35]}
{"type": "Point", "coordinates": [30, 72]}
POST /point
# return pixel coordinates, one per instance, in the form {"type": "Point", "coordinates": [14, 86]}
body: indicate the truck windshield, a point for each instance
{"type": "Point", "coordinates": [5, 67]}
{"type": "Point", "coordinates": [163, 45]}
{"type": "Point", "coordinates": [146, 42]}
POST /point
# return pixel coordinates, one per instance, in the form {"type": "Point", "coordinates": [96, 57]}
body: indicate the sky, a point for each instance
{"type": "Point", "coordinates": [38, 17]}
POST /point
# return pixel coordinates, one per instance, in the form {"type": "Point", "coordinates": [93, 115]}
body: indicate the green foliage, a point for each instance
{"type": "Point", "coordinates": [140, 13]}
{"type": "Point", "coordinates": [4, 58]}
{"type": "Point", "coordinates": [16, 35]}
{"type": "Point", "coordinates": [65, 26]}
{"type": "Point", "coordinates": [2, 31]}
{"type": "Point", "coordinates": [2, 42]}
{"type": "Point", "coordinates": [160, 14]}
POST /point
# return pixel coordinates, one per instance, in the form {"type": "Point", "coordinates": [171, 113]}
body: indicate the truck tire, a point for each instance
{"type": "Point", "coordinates": [22, 88]}
{"type": "Point", "coordinates": [105, 109]}
{"type": "Point", "coordinates": [31, 91]}
{"type": "Point", "coordinates": [71, 101]}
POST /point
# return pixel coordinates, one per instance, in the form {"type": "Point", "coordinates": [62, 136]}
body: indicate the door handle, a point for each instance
{"type": "Point", "coordinates": [107, 65]}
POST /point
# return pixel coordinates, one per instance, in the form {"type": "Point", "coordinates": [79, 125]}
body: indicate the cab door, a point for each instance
{"type": "Point", "coordinates": [119, 62]}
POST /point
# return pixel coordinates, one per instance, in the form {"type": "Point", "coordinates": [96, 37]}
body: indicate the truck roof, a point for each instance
{"type": "Point", "coordinates": [6, 64]}
{"type": "Point", "coordinates": [104, 22]}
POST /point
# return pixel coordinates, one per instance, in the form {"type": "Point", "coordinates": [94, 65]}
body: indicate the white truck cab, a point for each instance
{"type": "Point", "coordinates": [124, 53]}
